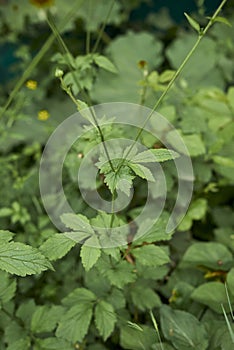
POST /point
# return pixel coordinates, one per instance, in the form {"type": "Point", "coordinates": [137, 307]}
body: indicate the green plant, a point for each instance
{"type": "Point", "coordinates": [94, 298]}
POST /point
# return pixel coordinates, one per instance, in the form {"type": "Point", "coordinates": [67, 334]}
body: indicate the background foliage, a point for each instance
{"type": "Point", "coordinates": [56, 294]}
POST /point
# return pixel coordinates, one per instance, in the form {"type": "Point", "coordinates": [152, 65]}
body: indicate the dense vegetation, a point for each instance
{"type": "Point", "coordinates": [116, 280]}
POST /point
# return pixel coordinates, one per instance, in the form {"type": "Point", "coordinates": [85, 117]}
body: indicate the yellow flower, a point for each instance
{"type": "Point", "coordinates": [43, 115]}
{"type": "Point", "coordinates": [31, 84]}
{"type": "Point", "coordinates": [42, 3]}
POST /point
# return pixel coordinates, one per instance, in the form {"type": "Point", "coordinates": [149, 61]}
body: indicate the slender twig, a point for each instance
{"type": "Point", "coordinates": [177, 73]}
{"type": "Point", "coordinates": [69, 59]}
{"type": "Point", "coordinates": [101, 31]}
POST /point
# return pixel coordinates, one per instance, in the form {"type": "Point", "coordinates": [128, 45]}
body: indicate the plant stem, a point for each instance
{"type": "Point", "coordinates": [70, 62]}
{"type": "Point", "coordinates": [36, 60]}
{"type": "Point", "coordinates": [101, 31]}
{"type": "Point", "coordinates": [177, 73]}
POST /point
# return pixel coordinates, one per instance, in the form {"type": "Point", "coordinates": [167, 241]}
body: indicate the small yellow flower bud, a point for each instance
{"type": "Point", "coordinates": [43, 115]}
{"type": "Point", "coordinates": [31, 84]}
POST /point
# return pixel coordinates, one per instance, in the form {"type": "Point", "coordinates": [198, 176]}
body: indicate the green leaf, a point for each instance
{"type": "Point", "coordinates": [105, 63]}
{"type": "Point", "coordinates": [150, 255]}
{"type": "Point", "coordinates": [137, 338]}
{"type": "Point", "coordinates": [45, 318]}
{"type": "Point", "coordinates": [5, 236]}
{"type": "Point", "coordinates": [142, 171]}
{"type": "Point", "coordinates": [222, 20]}
{"type": "Point", "coordinates": [166, 76]}
{"type": "Point", "coordinates": [183, 330]}
{"type": "Point", "coordinates": [56, 246]}
{"type": "Point", "coordinates": [120, 180]}
{"type": "Point", "coordinates": [22, 260]}
{"type": "Point", "coordinates": [54, 344]}
{"type": "Point", "coordinates": [7, 288]}
{"type": "Point", "coordinates": [155, 155]}
{"type": "Point", "coordinates": [81, 226]}
{"type": "Point", "coordinates": [124, 86]}
{"type": "Point", "coordinates": [224, 161]}
{"type": "Point", "coordinates": [208, 254]}
{"type": "Point", "coordinates": [89, 256]}
{"type": "Point", "coordinates": [74, 324]}
{"type": "Point", "coordinates": [144, 297]}
{"type": "Point", "coordinates": [192, 22]}
{"type": "Point", "coordinates": [196, 211]}
{"type": "Point", "coordinates": [21, 344]}
{"type": "Point", "coordinates": [79, 296]}
{"type": "Point", "coordinates": [77, 223]}
{"type": "Point", "coordinates": [105, 319]}
{"type": "Point", "coordinates": [212, 294]}
{"type": "Point", "coordinates": [118, 274]}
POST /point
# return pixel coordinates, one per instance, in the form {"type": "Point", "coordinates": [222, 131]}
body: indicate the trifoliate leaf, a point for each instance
{"type": "Point", "coordinates": [22, 260]}
{"type": "Point", "coordinates": [105, 319]}
{"type": "Point", "coordinates": [56, 246]}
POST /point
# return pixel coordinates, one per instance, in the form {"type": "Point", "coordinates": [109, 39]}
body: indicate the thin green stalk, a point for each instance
{"type": "Point", "coordinates": [101, 31]}
{"type": "Point", "coordinates": [178, 72]}
{"type": "Point", "coordinates": [86, 96]}
{"type": "Point", "coordinates": [88, 33]}
{"type": "Point", "coordinates": [156, 328]}
{"type": "Point", "coordinates": [36, 60]}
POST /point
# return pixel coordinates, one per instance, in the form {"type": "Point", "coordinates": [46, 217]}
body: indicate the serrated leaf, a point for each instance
{"type": "Point", "coordinates": [141, 171]}
{"type": "Point", "coordinates": [121, 180]}
{"type": "Point", "coordinates": [105, 63]}
{"type": "Point", "coordinates": [150, 255]}
{"type": "Point", "coordinates": [5, 236]}
{"type": "Point", "coordinates": [77, 223]}
{"type": "Point", "coordinates": [105, 319]}
{"type": "Point", "coordinates": [155, 155]}
{"type": "Point", "coordinates": [79, 295]}
{"type": "Point", "coordinates": [192, 22]}
{"type": "Point", "coordinates": [118, 274]}
{"type": "Point", "coordinates": [7, 287]}
{"type": "Point", "coordinates": [22, 260]}
{"type": "Point", "coordinates": [74, 324]}
{"type": "Point", "coordinates": [21, 344]}
{"type": "Point", "coordinates": [45, 318]}
{"type": "Point", "coordinates": [89, 256]}
{"type": "Point", "coordinates": [183, 329]}
{"type": "Point", "coordinates": [56, 246]}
